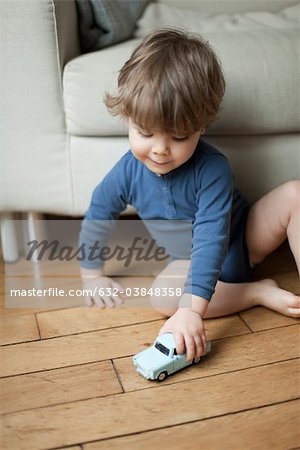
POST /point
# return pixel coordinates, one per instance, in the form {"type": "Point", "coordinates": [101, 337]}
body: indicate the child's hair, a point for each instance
{"type": "Point", "coordinates": [173, 83]}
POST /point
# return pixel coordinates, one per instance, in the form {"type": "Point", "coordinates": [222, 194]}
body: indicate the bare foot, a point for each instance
{"type": "Point", "coordinates": [273, 297]}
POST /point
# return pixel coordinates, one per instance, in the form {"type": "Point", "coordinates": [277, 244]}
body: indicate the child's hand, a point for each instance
{"type": "Point", "coordinates": [104, 292]}
{"type": "Point", "coordinates": [189, 333]}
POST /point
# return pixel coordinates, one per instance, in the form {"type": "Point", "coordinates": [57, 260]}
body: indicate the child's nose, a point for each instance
{"type": "Point", "coordinates": [160, 148]}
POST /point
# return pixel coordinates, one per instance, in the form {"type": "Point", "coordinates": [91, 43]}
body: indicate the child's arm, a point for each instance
{"type": "Point", "coordinates": [211, 227]}
{"type": "Point", "coordinates": [188, 327]}
{"type": "Point", "coordinates": [88, 274]}
{"type": "Point", "coordinates": [108, 200]}
{"type": "Point", "coordinates": [211, 230]}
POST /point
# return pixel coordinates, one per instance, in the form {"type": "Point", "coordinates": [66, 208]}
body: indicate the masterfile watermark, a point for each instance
{"type": "Point", "coordinates": [139, 250]}
{"type": "Point", "coordinates": [46, 271]}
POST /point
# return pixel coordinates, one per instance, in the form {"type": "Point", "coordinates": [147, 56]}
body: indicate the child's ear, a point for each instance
{"type": "Point", "coordinates": [202, 131]}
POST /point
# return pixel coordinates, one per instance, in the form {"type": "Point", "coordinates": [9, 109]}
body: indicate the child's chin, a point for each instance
{"type": "Point", "coordinates": [160, 170]}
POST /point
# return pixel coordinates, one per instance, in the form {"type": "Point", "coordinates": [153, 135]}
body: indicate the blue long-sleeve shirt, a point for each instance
{"type": "Point", "coordinates": [200, 192]}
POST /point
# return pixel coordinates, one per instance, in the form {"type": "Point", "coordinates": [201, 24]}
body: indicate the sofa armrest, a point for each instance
{"type": "Point", "coordinates": [67, 30]}
{"type": "Point", "coordinates": [37, 38]}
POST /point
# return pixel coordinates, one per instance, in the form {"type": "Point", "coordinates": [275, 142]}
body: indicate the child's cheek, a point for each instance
{"type": "Point", "coordinates": [140, 147]}
{"type": "Point", "coordinates": [138, 154]}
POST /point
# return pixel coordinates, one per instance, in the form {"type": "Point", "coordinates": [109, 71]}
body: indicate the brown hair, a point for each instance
{"type": "Point", "coordinates": [173, 83]}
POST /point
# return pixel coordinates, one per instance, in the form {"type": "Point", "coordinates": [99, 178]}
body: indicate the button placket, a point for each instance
{"type": "Point", "coordinates": [168, 200]}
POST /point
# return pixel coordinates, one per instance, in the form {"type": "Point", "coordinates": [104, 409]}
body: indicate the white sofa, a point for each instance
{"type": "Point", "coordinates": [58, 140]}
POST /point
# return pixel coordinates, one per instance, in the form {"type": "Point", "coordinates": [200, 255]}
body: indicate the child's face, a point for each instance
{"type": "Point", "coordinates": [161, 152]}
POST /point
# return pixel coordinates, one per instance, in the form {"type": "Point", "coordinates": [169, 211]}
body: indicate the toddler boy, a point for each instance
{"type": "Point", "coordinates": [170, 91]}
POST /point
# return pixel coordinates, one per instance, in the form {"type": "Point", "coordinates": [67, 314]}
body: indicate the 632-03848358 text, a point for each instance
{"type": "Point", "coordinates": [141, 292]}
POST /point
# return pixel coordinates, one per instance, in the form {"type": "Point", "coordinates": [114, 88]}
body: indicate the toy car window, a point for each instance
{"type": "Point", "coordinates": [162, 348]}
{"type": "Point", "coordinates": [174, 353]}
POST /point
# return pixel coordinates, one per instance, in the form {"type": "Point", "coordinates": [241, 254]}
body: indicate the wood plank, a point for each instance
{"type": "Point", "coordinates": [97, 346]}
{"type": "Point", "coordinates": [76, 349]}
{"type": "Point", "coordinates": [273, 427]}
{"type": "Point", "coordinates": [76, 447]}
{"type": "Point", "coordinates": [139, 411]}
{"type": "Point", "coordinates": [229, 354]}
{"type": "Point", "coordinates": [5, 311]}
{"type": "Point", "coordinates": [79, 320]}
{"type": "Point", "coordinates": [18, 329]}
{"type": "Point", "coordinates": [260, 318]}
{"type": "Point", "coordinates": [58, 386]}
{"type": "Point", "coordinates": [288, 281]}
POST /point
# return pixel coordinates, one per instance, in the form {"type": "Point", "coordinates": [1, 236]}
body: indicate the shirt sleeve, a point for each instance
{"type": "Point", "coordinates": [109, 199]}
{"type": "Point", "coordinates": [211, 227]}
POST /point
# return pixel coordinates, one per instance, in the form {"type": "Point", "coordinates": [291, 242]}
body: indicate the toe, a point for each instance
{"type": "Point", "coordinates": [294, 302]}
{"type": "Point", "coordinates": [294, 312]}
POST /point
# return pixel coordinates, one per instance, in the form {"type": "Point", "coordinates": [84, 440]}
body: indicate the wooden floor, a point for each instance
{"type": "Point", "coordinates": [67, 379]}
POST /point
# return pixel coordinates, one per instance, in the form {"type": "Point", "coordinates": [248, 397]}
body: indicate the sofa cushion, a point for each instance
{"type": "Point", "coordinates": [159, 15]}
{"type": "Point", "coordinates": [261, 66]}
{"type": "Point", "coordinates": [260, 163]}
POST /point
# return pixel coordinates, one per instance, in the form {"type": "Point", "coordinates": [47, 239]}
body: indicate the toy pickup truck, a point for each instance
{"type": "Point", "coordinates": [161, 360]}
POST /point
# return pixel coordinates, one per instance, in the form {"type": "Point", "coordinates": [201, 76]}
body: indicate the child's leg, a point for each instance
{"type": "Point", "coordinates": [273, 218]}
{"type": "Point", "coordinates": [229, 298]}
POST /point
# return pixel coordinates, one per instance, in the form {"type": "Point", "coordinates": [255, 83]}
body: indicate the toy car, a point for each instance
{"type": "Point", "coordinates": [161, 360]}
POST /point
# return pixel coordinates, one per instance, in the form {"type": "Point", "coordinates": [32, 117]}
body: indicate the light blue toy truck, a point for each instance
{"type": "Point", "coordinates": [161, 360]}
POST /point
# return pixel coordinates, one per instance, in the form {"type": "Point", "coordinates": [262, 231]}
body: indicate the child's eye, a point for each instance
{"type": "Point", "coordinates": [145, 135]}
{"type": "Point", "coordinates": [180, 139]}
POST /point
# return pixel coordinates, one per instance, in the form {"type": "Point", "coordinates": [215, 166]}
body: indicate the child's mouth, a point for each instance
{"type": "Point", "coordinates": [159, 163]}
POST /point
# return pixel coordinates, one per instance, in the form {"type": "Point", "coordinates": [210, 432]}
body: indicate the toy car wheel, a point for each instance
{"type": "Point", "coordinates": [162, 376]}
{"type": "Point", "coordinates": [196, 360]}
